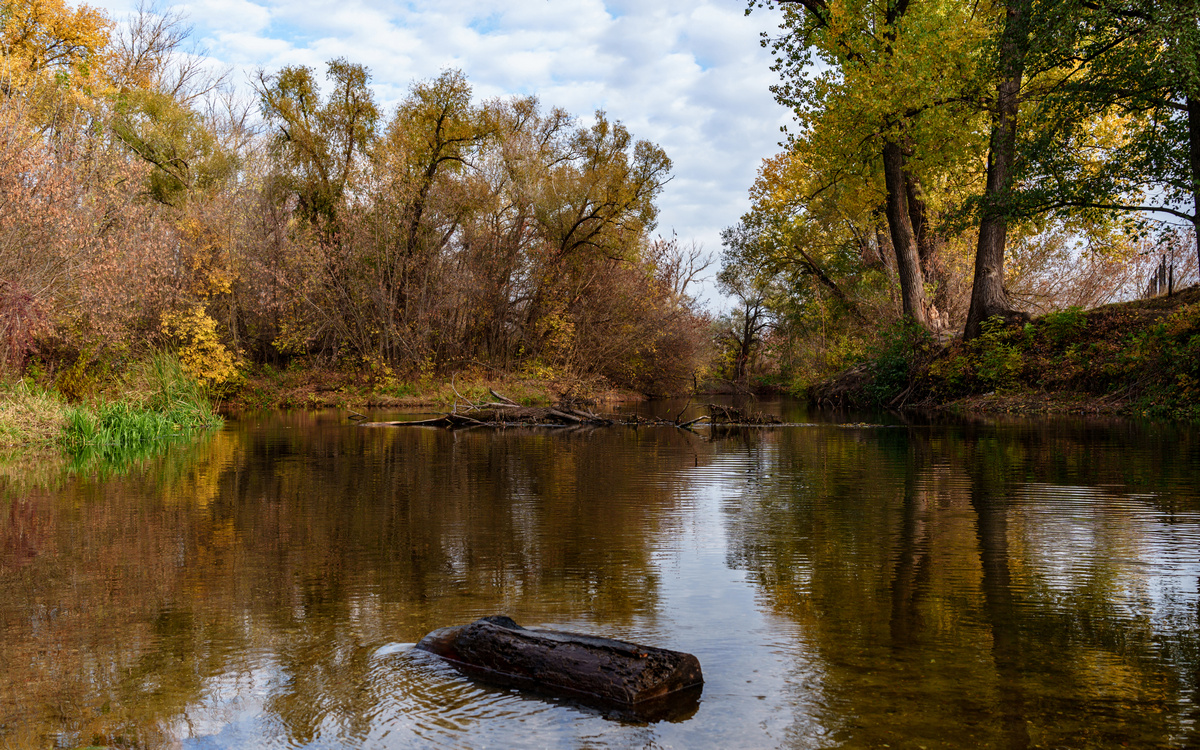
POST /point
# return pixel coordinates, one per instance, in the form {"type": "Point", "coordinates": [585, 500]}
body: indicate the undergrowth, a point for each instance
{"type": "Point", "coordinates": [164, 403]}
{"type": "Point", "coordinates": [30, 415]}
{"type": "Point", "coordinates": [895, 362]}
{"type": "Point", "coordinates": [1143, 355]}
{"type": "Point", "coordinates": [312, 387]}
{"type": "Point", "coordinates": [1140, 357]}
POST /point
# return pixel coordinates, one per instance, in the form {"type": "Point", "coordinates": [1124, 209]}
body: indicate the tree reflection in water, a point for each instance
{"type": "Point", "coordinates": [937, 585]}
{"type": "Point", "coordinates": [913, 562]}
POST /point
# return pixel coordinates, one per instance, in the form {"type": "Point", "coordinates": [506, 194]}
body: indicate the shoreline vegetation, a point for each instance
{"type": "Point", "coordinates": [1132, 359]}
{"type": "Point", "coordinates": [154, 404]}
{"type": "Point", "coordinates": [1138, 358]}
{"type": "Point", "coordinates": [306, 246]}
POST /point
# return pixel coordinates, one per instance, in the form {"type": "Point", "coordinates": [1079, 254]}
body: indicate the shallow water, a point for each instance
{"type": "Point", "coordinates": [941, 584]}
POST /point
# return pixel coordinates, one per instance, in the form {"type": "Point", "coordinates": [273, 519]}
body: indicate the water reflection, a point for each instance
{"type": "Point", "coordinates": [934, 584]}
{"type": "Point", "coordinates": [949, 601]}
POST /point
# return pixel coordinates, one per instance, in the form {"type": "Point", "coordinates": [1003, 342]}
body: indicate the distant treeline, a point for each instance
{"type": "Point", "coordinates": [142, 202]}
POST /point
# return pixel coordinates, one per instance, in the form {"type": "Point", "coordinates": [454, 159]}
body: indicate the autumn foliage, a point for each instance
{"type": "Point", "coordinates": [142, 205]}
{"type": "Point", "coordinates": [954, 162]}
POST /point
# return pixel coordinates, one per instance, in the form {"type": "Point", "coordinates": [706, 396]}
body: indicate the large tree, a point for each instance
{"type": "Point", "coordinates": [1120, 126]}
{"type": "Point", "coordinates": [319, 142]}
{"type": "Point", "coordinates": [892, 85]}
{"type": "Point", "coordinates": [988, 295]}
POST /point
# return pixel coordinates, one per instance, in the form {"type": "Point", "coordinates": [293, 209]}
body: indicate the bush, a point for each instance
{"type": "Point", "coordinates": [201, 353]}
{"type": "Point", "coordinates": [1064, 325]}
{"type": "Point", "coordinates": [173, 405]}
{"type": "Point", "coordinates": [895, 360]}
{"type": "Point", "coordinates": [1000, 350]}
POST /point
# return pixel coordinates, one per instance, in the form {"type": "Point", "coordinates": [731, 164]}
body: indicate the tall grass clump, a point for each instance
{"type": "Point", "coordinates": [165, 404]}
{"type": "Point", "coordinates": [30, 415]}
{"type": "Point", "coordinates": [177, 394]}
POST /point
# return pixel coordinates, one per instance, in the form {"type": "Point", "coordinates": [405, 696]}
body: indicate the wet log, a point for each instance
{"type": "Point", "coordinates": [642, 682]}
{"type": "Point", "coordinates": [442, 421]}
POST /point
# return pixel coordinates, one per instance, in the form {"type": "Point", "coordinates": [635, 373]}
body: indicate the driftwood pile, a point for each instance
{"type": "Point", "coordinates": [504, 412]}
{"type": "Point", "coordinates": [719, 414]}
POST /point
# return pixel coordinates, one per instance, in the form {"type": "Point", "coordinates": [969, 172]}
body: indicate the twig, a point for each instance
{"type": "Point", "coordinates": [679, 415]}
{"type": "Point", "coordinates": [459, 395]}
{"type": "Point", "coordinates": [903, 395]}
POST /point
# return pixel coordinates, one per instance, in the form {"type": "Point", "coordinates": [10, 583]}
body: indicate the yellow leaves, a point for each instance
{"type": "Point", "coordinates": [184, 156]}
{"type": "Point", "coordinates": [201, 352]}
{"type": "Point", "coordinates": [293, 336]}
{"type": "Point", "coordinates": [212, 267]}
{"type": "Point", "coordinates": [558, 332]}
{"type": "Point", "coordinates": [40, 37]}
{"type": "Point", "coordinates": [381, 373]}
{"type": "Point", "coordinates": [913, 80]}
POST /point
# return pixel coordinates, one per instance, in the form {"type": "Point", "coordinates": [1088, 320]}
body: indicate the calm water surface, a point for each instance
{"type": "Point", "coordinates": [942, 584]}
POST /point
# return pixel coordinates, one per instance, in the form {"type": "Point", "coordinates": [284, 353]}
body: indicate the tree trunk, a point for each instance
{"type": "Point", "coordinates": [908, 261]}
{"type": "Point", "coordinates": [1193, 108]}
{"type": "Point", "coordinates": [742, 365]}
{"type": "Point", "coordinates": [886, 256]}
{"type": "Point", "coordinates": [870, 252]}
{"type": "Point", "coordinates": [988, 296]}
{"type": "Point", "coordinates": [928, 247]}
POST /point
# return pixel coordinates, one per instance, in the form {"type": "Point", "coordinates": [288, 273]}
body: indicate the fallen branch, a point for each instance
{"type": "Point", "coordinates": [505, 399]}
{"type": "Point", "coordinates": [505, 414]}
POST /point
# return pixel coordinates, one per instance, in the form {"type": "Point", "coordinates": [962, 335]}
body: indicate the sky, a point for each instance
{"type": "Point", "coordinates": [689, 76]}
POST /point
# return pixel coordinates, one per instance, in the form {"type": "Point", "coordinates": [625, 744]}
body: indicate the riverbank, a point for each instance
{"type": "Point", "coordinates": [320, 388]}
{"type": "Point", "coordinates": [154, 402]}
{"type": "Point", "coordinates": [1139, 358]}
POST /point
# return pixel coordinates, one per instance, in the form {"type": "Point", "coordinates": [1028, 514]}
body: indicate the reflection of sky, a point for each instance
{"type": "Point", "coordinates": [232, 714]}
{"type": "Point", "coordinates": [1094, 543]}
{"type": "Point", "coordinates": [761, 683]}
{"type": "Point", "coordinates": [776, 562]}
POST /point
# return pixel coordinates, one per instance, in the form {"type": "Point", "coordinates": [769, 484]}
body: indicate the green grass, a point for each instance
{"type": "Point", "coordinates": [30, 415]}
{"type": "Point", "coordinates": [44, 438]}
{"type": "Point", "coordinates": [163, 404]}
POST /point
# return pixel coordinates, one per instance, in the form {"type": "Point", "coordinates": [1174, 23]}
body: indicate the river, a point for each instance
{"type": "Point", "coordinates": [925, 582]}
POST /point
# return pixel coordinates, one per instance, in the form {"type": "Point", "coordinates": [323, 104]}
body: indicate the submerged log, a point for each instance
{"type": "Point", "coordinates": [642, 682]}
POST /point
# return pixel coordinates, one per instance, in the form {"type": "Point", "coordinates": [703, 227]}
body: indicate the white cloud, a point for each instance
{"type": "Point", "coordinates": [689, 76]}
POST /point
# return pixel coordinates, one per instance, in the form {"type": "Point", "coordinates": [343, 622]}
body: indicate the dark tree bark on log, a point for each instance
{"type": "Point", "coordinates": [652, 682]}
{"type": "Point", "coordinates": [988, 295]}
{"type": "Point", "coordinates": [904, 240]}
